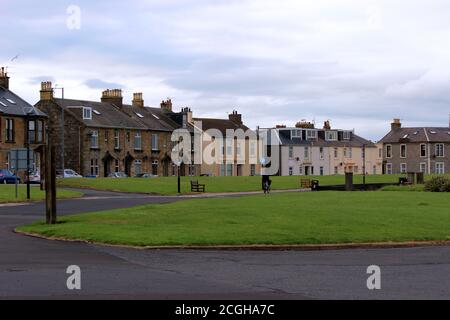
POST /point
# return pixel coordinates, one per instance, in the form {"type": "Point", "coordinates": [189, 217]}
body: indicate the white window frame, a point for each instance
{"type": "Point", "coordinates": [440, 165]}
{"type": "Point", "coordinates": [291, 171]}
{"type": "Point", "coordinates": [336, 153]}
{"type": "Point", "coordinates": [94, 167]}
{"type": "Point", "coordinates": [331, 135]}
{"type": "Point", "coordinates": [87, 113]}
{"type": "Point", "coordinates": [424, 166]}
{"type": "Point", "coordinates": [155, 142]}
{"type": "Point", "coordinates": [405, 165]}
{"type": "Point", "coordinates": [137, 164]}
{"type": "Point", "coordinates": [389, 168]}
{"type": "Point", "coordinates": [116, 139]}
{"type": "Point", "coordinates": [406, 151]}
{"type": "Point", "coordinates": [94, 139]}
{"type": "Point", "coordinates": [350, 153]}
{"type": "Point", "coordinates": [306, 152]}
{"type": "Point", "coordinates": [321, 153]}
{"type": "Point", "coordinates": [436, 149]}
{"type": "Point", "coordinates": [321, 171]}
{"type": "Point", "coordinates": [346, 135]}
{"type": "Point", "coordinates": [311, 134]}
{"type": "Point", "coordinates": [296, 133]}
{"type": "Point", "coordinates": [420, 150]}
{"type": "Point", "coordinates": [291, 152]}
{"type": "Point", "coordinates": [388, 155]}
{"type": "Point", "coordinates": [137, 141]}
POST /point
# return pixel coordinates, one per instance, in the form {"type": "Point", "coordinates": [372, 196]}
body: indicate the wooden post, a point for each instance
{"type": "Point", "coordinates": [53, 183]}
{"type": "Point", "coordinates": [349, 181]}
{"type": "Point", "coordinates": [48, 188]}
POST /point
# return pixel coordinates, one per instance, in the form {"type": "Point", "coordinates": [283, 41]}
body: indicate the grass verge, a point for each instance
{"type": "Point", "coordinates": [8, 194]}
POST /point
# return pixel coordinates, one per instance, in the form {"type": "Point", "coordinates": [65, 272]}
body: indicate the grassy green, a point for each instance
{"type": "Point", "coordinates": [168, 185]}
{"type": "Point", "coordinates": [8, 193]}
{"type": "Point", "coordinates": [417, 187]}
{"type": "Point", "coordinates": [288, 218]}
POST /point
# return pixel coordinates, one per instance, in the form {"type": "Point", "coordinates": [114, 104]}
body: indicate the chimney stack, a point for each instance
{"type": "Point", "coordinates": [187, 116]}
{"type": "Point", "coordinates": [235, 117]}
{"type": "Point", "coordinates": [46, 90]}
{"type": "Point", "coordinates": [327, 125]}
{"type": "Point", "coordinates": [396, 124]}
{"type": "Point", "coordinates": [4, 79]}
{"type": "Point", "coordinates": [113, 96]}
{"type": "Point", "coordinates": [138, 101]}
{"type": "Point", "coordinates": [167, 105]}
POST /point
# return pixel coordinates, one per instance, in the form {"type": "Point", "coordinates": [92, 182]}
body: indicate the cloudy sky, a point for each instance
{"type": "Point", "coordinates": [357, 63]}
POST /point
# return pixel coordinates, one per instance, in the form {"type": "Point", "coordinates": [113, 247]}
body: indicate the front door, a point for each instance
{"type": "Point", "coordinates": [106, 167]}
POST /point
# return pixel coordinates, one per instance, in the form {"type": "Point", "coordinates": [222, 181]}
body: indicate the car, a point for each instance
{"type": "Point", "coordinates": [35, 177]}
{"type": "Point", "coordinates": [118, 175]}
{"type": "Point", "coordinates": [7, 176]}
{"type": "Point", "coordinates": [146, 175]}
{"type": "Point", "coordinates": [67, 173]}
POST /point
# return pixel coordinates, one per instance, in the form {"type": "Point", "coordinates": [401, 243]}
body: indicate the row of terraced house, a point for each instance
{"type": "Point", "coordinates": [97, 138]}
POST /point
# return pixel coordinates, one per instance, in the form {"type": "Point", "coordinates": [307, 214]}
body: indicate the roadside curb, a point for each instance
{"type": "Point", "coordinates": [306, 247]}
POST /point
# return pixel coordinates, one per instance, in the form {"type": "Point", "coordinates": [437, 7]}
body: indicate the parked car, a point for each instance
{"type": "Point", "coordinates": [67, 173]}
{"type": "Point", "coordinates": [7, 176]}
{"type": "Point", "coordinates": [146, 175]}
{"type": "Point", "coordinates": [35, 177]}
{"type": "Point", "coordinates": [118, 175]}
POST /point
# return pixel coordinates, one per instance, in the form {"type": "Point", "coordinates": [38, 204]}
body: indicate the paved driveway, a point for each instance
{"type": "Point", "coordinates": [35, 268]}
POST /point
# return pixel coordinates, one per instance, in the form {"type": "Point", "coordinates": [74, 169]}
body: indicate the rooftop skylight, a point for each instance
{"type": "Point", "coordinates": [3, 104]}
{"type": "Point", "coordinates": [96, 112]}
{"type": "Point", "coordinates": [10, 101]}
{"type": "Point", "coordinates": [139, 115]}
{"type": "Point", "coordinates": [155, 116]}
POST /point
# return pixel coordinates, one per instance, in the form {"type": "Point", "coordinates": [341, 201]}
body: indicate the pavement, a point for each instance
{"type": "Point", "coordinates": [32, 268]}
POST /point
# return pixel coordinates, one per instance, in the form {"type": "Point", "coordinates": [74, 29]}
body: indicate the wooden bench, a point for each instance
{"type": "Point", "coordinates": [305, 183]}
{"type": "Point", "coordinates": [197, 187]}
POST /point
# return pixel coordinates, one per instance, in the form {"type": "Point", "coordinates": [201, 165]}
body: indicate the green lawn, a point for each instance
{"type": "Point", "coordinates": [168, 185]}
{"type": "Point", "coordinates": [290, 218]}
{"type": "Point", "coordinates": [8, 193]}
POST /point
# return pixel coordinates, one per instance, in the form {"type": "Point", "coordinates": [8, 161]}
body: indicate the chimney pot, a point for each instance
{"type": "Point", "coordinates": [113, 96]}
{"type": "Point", "coordinates": [4, 79]}
{"type": "Point", "coordinates": [46, 90]}
{"type": "Point", "coordinates": [396, 124]}
{"type": "Point", "coordinates": [138, 101]}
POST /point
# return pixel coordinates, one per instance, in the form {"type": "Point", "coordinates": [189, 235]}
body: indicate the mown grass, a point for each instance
{"type": "Point", "coordinates": [8, 193]}
{"type": "Point", "coordinates": [168, 185]}
{"type": "Point", "coordinates": [293, 218]}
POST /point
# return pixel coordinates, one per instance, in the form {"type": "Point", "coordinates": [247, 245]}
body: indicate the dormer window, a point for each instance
{"type": "Point", "coordinates": [296, 133]}
{"type": "Point", "coordinates": [87, 113]}
{"type": "Point", "coordinates": [311, 134]}
{"type": "Point", "coordinates": [346, 135]}
{"type": "Point", "coordinates": [331, 135]}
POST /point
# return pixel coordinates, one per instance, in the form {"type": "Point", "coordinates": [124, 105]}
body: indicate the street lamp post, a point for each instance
{"type": "Point", "coordinates": [364, 165]}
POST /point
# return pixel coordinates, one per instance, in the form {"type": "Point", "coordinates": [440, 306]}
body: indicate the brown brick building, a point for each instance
{"type": "Point", "coordinates": [19, 121]}
{"type": "Point", "coordinates": [99, 138]}
{"type": "Point", "coordinates": [417, 149]}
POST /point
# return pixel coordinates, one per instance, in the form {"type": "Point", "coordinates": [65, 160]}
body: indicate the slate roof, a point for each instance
{"type": "Point", "coordinates": [220, 124]}
{"type": "Point", "coordinates": [418, 135]}
{"type": "Point", "coordinates": [111, 116]}
{"type": "Point", "coordinates": [13, 105]}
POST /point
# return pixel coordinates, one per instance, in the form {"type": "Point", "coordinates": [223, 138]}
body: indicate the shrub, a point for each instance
{"type": "Point", "coordinates": [438, 184]}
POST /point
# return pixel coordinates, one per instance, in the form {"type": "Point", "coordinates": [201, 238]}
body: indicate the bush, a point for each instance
{"type": "Point", "coordinates": [438, 184]}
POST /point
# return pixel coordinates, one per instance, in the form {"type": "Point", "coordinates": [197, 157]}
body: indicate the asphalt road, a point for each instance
{"type": "Point", "coordinates": [36, 268]}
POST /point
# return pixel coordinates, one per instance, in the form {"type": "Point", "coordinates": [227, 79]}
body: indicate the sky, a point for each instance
{"type": "Point", "coordinates": [357, 63]}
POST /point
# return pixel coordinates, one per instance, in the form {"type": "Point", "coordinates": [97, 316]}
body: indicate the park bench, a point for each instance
{"type": "Point", "coordinates": [305, 183]}
{"type": "Point", "coordinates": [197, 187]}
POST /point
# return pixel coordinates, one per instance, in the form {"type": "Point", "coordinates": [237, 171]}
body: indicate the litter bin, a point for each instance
{"type": "Point", "coordinates": [402, 181]}
{"type": "Point", "coordinates": [315, 185]}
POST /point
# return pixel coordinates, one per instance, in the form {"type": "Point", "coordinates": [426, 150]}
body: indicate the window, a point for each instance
{"type": "Point", "coordinates": [252, 170]}
{"type": "Point", "coordinates": [346, 135]}
{"type": "Point", "coordinates": [87, 113]}
{"type": "Point", "coordinates": [296, 133]}
{"type": "Point", "coordinates": [336, 170]}
{"type": "Point", "coordinates": [9, 130]}
{"type": "Point", "coordinates": [137, 141]}
{"type": "Point", "coordinates": [300, 170]}
{"type": "Point", "coordinates": [311, 134]}
{"type": "Point", "coordinates": [191, 170]}
{"type": "Point", "coordinates": [137, 166]}
{"type": "Point", "coordinates": [238, 148]}
{"type": "Point", "coordinates": [403, 151]}
{"type": "Point", "coordinates": [331, 135]}
{"type": "Point", "coordinates": [94, 139]}
{"type": "Point", "coordinates": [155, 164]}
{"type": "Point", "coordinates": [94, 167]}
{"type": "Point", "coordinates": [291, 152]}
{"type": "Point", "coordinates": [423, 150]}
{"type": "Point", "coordinates": [116, 166]}
{"type": "Point", "coordinates": [306, 152]}
{"type": "Point", "coordinates": [345, 152]}
{"type": "Point", "coordinates": [439, 150]}
{"type": "Point", "coordinates": [252, 149]}
{"type": "Point", "coordinates": [321, 171]}
{"type": "Point", "coordinates": [423, 167]}
{"type": "Point", "coordinates": [229, 169]}
{"type": "Point", "coordinates": [312, 170]}
{"type": "Point", "coordinates": [154, 142]}
{"type": "Point", "coordinates": [291, 171]}
{"type": "Point", "coordinates": [403, 168]}
{"type": "Point", "coordinates": [116, 139]}
{"type": "Point", "coordinates": [380, 153]}
{"type": "Point", "coordinates": [350, 152]}
{"type": "Point", "coordinates": [40, 131]}
{"type": "Point", "coordinates": [389, 168]}
{"type": "Point", "coordinates": [128, 136]}
{"type": "Point", "coordinates": [32, 131]}
{"type": "Point", "coordinates": [374, 169]}
{"type": "Point", "coordinates": [336, 153]}
{"type": "Point", "coordinates": [388, 151]}
{"type": "Point", "coordinates": [321, 152]}
{"type": "Point", "coordinates": [440, 168]}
